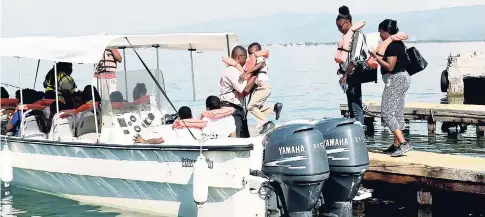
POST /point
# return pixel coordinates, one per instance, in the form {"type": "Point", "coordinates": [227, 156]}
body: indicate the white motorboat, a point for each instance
{"type": "Point", "coordinates": [89, 154]}
{"type": "Point", "coordinates": [101, 164]}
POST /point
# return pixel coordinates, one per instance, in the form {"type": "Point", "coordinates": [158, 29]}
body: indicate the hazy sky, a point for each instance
{"type": "Point", "coordinates": [60, 17]}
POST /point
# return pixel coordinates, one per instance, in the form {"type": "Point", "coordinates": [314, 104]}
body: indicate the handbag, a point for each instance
{"type": "Point", "coordinates": [416, 61]}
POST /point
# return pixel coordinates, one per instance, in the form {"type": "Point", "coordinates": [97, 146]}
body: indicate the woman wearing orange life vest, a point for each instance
{"type": "Point", "coordinates": [349, 57]}
{"type": "Point", "coordinates": [391, 56]}
{"type": "Point", "coordinates": [105, 72]}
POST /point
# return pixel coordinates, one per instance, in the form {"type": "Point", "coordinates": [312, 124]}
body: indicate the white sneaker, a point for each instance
{"type": "Point", "coordinates": [259, 126]}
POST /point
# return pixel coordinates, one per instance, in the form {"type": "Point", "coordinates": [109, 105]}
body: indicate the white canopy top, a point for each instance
{"type": "Point", "coordinates": [89, 49]}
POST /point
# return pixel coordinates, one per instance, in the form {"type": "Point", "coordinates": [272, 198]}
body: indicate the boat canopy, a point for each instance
{"type": "Point", "coordinates": [89, 49]}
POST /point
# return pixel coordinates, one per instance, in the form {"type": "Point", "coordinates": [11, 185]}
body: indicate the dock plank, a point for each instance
{"type": "Point", "coordinates": [429, 170]}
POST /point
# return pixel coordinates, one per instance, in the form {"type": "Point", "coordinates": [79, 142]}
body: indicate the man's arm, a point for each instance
{"type": "Point", "coordinates": [256, 68]}
{"type": "Point", "coordinates": [117, 55]}
{"type": "Point", "coordinates": [250, 84]}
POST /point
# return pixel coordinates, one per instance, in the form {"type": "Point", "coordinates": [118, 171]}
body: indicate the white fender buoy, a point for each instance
{"type": "Point", "coordinates": [6, 162]}
{"type": "Point", "coordinates": [200, 185]}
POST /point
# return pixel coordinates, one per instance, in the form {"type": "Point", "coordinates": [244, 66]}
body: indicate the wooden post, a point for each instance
{"type": "Point", "coordinates": [431, 127]}
{"type": "Point", "coordinates": [480, 130]}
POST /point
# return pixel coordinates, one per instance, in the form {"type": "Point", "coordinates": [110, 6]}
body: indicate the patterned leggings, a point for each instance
{"type": "Point", "coordinates": [393, 99]}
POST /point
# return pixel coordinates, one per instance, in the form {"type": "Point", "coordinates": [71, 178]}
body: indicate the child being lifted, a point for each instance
{"type": "Point", "coordinates": [258, 65]}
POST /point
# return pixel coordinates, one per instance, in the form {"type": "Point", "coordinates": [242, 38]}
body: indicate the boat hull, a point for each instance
{"type": "Point", "coordinates": [149, 179]}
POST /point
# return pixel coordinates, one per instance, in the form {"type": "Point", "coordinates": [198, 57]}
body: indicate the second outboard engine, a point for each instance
{"type": "Point", "coordinates": [348, 160]}
{"type": "Point", "coordinates": [296, 164]}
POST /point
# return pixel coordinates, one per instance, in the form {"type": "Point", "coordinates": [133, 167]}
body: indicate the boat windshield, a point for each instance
{"type": "Point", "coordinates": [131, 92]}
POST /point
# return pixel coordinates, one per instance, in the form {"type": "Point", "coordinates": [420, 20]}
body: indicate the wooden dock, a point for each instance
{"type": "Point", "coordinates": [432, 113]}
{"type": "Point", "coordinates": [431, 173]}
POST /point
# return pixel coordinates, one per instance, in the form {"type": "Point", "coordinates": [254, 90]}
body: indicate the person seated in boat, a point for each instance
{"type": "Point", "coordinates": [233, 91]}
{"type": "Point", "coordinates": [64, 79]}
{"type": "Point", "coordinates": [29, 97]}
{"type": "Point", "coordinates": [185, 120]}
{"type": "Point", "coordinates": [53, 111]}
{"type": "Point", "coordinates": [77, 99]}
{"type": "Point", "coordinates": [219, 120]}
{"type": "Point", "coordinates": [88, 96]}
{"type": "Point", "coordinates": [139, 91]}
{"type": "Point", "coordinates": [116, 96]}
{"type": "Point", "coordinates": [4, 93]}
{"type": "Point", "coordinates": [49, 95]}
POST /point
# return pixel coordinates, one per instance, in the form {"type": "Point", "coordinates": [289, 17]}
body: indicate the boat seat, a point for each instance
{"type": "Point", "coordinates": [64, 126]}
{"type": "Point", "coordinates": [86, 123]}
{"type": "Point", "coordinates": [31, 129]}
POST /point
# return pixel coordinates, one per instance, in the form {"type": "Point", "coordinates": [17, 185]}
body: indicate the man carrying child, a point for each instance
{"type": "Point", "coordinates": [262, 91]}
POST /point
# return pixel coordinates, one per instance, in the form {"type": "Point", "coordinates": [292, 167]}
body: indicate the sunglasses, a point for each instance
{"type": "Point", "coordinates": [342, 26]}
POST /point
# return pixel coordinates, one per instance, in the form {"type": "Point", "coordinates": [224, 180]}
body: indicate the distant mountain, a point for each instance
{"type": "Point", "coordinates": [455, 23]}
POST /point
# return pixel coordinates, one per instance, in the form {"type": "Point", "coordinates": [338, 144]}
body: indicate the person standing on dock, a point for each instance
{"type": "Point", "coordinates": [392, 58]}
{"type": "Point", "coordinates": [350, 60]}
{"type": "Point", "coordinates": [233, 91]}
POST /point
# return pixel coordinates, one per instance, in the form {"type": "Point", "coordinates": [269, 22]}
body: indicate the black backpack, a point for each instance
{"type": "Point", "coordinates": [416, 61]}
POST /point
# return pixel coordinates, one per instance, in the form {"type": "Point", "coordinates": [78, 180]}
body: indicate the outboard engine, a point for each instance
{"type": "Point", "coordinates": [348, 160]}
{"type": "Point", "coordinates": [295, 162]}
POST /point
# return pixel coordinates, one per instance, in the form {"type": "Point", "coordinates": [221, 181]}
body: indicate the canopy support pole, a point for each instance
{"type": "Point", "coordinates": [36, 73]}
{"type": "Point", "coordinates": [158, 73]}
{"type": "Point", "coordinates": [193, 76]}
{"type": "Point", "coordinates": [57, 98]}
{"type": "Point", "coordinates": [158, 85]}
{"type": "Point", "coordinates": [227, 44]}
{"type": "Point", "coordinates": [21, 98]}
{"type": "Point", "coordinates": [94, 111]}
{"type": "Point", "coordinates": [126, 76]}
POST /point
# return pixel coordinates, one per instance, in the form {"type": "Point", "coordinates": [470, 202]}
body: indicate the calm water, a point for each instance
{"type": "Point", "coordinates": [304, 79]}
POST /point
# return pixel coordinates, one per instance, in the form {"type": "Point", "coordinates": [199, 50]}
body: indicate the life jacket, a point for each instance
{"type": "Point", "coordinates": [217, 113]}
{"type": "Point", "coordinates": [26, 107]}
{"type": "Point", "coordinates": [47, 102]}
{"type": "Point", "coordinates": [344, 46]}
{"type": "Point", "coordinates": [143, 100]}
{"type": "Point", "coordinates": [107, 62]}
{"type": "Point", "coordinates": [190, 123]}
{"type": "Point", "coordinates": [86, 106]}
{"type": "Point", "coordinates": [251, 62]}
{"type": "Point", "coordinates": [62, 77]}
{"type": "Point", "coordinates": [381, 48]}
{"type": "Point", "coordinates": [231, 62]}
{"type": "Point", "coordinates": [8, 102]}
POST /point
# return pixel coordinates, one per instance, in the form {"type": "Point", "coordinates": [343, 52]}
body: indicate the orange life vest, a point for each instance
{"type": "Point", "coordinates": [251, 62]}
{"type": "Point", "coordinates": [47, 102]}
{"type": "Point", "coordinates": [190, 123]}
{"type": "Point", "coordinates": [30, 106]}
{"type": "Point", "coordinates": [381, 48]}
{"type": "Point", "coordinates": [8, 102]}
{"type": "Point", "coordinates": [217, 113]}
{"type": "Point", "coordinates": [344, 46]}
